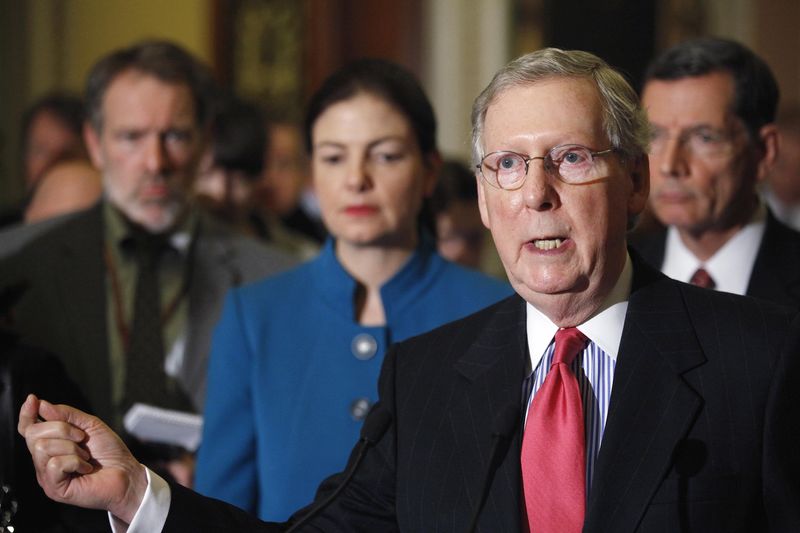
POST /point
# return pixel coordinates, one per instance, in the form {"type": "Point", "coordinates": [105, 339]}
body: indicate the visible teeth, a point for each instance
{"type": "Point", "coordinates": [548, 244]}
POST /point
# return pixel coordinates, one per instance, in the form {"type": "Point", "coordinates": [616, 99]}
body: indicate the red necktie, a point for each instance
{"type": "Point", "coordinates": [701, 278]}
{"type": "Point", "coordinates": [554, 447]}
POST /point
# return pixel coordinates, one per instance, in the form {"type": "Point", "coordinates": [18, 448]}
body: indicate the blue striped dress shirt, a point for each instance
{"type": "Point", "coordinates": [593, 368]}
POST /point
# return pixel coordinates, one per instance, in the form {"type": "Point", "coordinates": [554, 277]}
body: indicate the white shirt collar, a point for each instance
{"type": "Point", "coordinates": [730, 267]}
{"type": "Point", "coordinates": [604, 328]}
{"type": "Point", "coordinates": [181, 240]}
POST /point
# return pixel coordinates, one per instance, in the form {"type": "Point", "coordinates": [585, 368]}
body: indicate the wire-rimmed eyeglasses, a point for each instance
{"type": "Point", "coordinates": [571, 163]}
{"type": "Point", "coordinates": [701, 141]}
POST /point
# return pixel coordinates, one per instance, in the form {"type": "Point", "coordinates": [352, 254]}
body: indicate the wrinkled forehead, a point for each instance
{"type": "Point", "coordinates": [691, 99]}
{"type": "Point", "coordinates": [564, 109]}
{"type": "Point", "coordinates": [134, 93]}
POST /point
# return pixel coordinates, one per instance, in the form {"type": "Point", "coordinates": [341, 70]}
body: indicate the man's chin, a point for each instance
{"type": "Point", "coordinates": [156, 219]}
{"type": "Point", "coordinates": [674, 213]}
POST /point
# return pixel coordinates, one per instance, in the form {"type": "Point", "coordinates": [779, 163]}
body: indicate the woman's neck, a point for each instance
{"type": "Point", "coordinates": [372, 267]}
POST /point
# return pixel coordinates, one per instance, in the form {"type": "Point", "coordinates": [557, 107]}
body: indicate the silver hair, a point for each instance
{"type": "Point", "coordinates": [625, 121]}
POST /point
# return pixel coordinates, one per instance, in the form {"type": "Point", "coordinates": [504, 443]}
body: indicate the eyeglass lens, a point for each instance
{"type": "Point", "coordinates": [572, 163]}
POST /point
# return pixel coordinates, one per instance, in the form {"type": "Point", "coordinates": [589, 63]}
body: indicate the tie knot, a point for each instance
{"type": "Point", "coordinates": [146, 247]}
{"type": "Point", "coordinates": [569, 343]}
{"type": "Point", "coordinates": [702, 278]}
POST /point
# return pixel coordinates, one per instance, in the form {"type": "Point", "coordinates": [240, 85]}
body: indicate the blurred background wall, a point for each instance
{"type": "Point", "coordinates": [278, 50]}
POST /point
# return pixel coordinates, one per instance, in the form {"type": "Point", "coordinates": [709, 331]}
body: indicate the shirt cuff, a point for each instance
{"type": "Point", "coordinates": [152, 514]}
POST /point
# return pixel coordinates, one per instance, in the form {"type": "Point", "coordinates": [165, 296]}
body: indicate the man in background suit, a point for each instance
{"type": "Point", "coordinates": [712, 104]}
{"type": "Point", "coordinates": [687, 390]}
{"type": "Point", "coordinates": [146, 129]}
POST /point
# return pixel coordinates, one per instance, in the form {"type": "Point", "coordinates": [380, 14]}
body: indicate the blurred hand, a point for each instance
{"type": "Point", "coordinates": [182, 469]}
{"type": "Point", "coordinates": [79, 460]}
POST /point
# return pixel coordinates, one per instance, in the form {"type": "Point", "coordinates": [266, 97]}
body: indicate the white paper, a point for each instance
{"type": "Point", "coordinates": [165, 426]}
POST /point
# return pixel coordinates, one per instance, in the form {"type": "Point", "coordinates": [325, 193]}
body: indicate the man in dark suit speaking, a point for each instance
{"type": "Point", "coordinates": [603, 397]}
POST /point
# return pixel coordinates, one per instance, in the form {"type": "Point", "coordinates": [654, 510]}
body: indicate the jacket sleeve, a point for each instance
{"type": "Point", "coordinates": [190, 511]}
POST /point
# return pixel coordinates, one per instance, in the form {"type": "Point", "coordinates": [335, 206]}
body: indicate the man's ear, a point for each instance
{"type": "Point", "coordinates": [640, 175]}
{"type": "Point", "coordinates": [92, 139]}
{"type": "Point", "coordinates": [769, 141]}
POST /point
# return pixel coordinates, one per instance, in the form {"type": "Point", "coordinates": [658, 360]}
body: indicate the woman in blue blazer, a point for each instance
{"type": "Point", "coordinates": [295, 358]}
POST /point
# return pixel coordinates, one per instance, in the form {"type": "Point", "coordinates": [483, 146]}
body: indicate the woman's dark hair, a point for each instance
{"type": "Point", "coordinates": [386, 80]}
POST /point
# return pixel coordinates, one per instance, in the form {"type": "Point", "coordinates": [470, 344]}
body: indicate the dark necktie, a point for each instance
{"type": "Point", "coordinates": [701, 278]}
{"type": "Point", "coordinates": [554, 447]}
{"type": "Point", "coordinates": [145, 378]}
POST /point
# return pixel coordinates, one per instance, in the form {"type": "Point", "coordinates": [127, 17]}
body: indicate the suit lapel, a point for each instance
{"type": "Point", "coordinates": [775, 274]}
{"type": "Point", "coordinates": [80, 286]}
{"type": "Point", "coordinates": [651, 406]}
{"type": "Point", "coordinates": [492, 369]}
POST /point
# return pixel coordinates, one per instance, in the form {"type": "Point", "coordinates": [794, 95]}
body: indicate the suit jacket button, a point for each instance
{"type": "Point", "coordinates": [359, 408]}
{"type": "Point", "coordinates": [364, 346]}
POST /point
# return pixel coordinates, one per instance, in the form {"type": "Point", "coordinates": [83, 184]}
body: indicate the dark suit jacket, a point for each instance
{"type": "Point", "coordinates": [25, 370]}
{"type": "Point", "coordinates": [65, 309]}
{"type": "Point", "coordinates": [776, 272]}
{"type": "Point", "coordinates": [701, 434]}
{"type": "Point", "coordinates": [14, 238]}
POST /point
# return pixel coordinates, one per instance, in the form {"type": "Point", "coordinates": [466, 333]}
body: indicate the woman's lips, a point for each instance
{"type": "Point", "coordinates": [360, 210]}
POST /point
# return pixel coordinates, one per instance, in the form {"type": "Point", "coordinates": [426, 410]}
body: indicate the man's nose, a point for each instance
{"type": "Point", "coordinates": [672, 159]}
{"type": "Point", "coordinates": [538, 189]}
{"type": "Point", "coordinates": [156, 156]}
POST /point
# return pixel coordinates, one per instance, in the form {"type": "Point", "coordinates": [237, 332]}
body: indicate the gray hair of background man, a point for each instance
{"type": "Point", "coordinates": [756, 92]}
{"type": "Point", "coordinates": [163, 60]}
{"type": "Point", "coordinates": [624, 119]}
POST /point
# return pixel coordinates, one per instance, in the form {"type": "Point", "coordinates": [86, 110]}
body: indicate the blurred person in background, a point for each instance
{"type": "Point", "coordinates": [66, 187]}
{"type": "Point", "coordinates": [231, 168]}
{"type": "Point", "coordinates": [711, 104]}
{"type": "Point", "coordinates": [285, 190]}
{"type": "Point", "coordinates": [127, 292]}
{"type": "Point", "coordinates": [296, 357]}
{"type": "Point", "coordinates": [51, 130]}
{"type": "Point", "coordinates": [232, 161]}
{"type": "Point", "coordinates": [782, 186]}
{"type": "Point", "coordinates": [461, 236]}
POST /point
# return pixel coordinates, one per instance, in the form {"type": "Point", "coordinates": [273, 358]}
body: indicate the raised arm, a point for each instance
{"type": "Point", "coordinates": [80, 461]}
